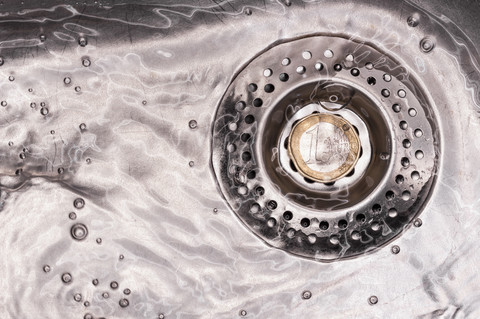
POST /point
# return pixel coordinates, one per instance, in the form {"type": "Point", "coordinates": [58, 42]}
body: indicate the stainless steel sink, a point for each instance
{"type": "Point", "coordinates": [239, 159]}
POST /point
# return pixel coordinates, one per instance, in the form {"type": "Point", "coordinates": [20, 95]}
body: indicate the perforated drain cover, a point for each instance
{"type": "Point", "coordinates": [342, 215]}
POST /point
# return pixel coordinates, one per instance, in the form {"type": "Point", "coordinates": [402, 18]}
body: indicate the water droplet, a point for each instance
{"type": "Point", "coordinates": [123, 303]}
{"type": "Point", "coordinates": [248, 11]}
{"type": "Point", "coordinates": [99, 241]}
{"type": "Point", "coordinates": [88, 160]}
{"type": "Point", "coordinates": [11, 78]}
{"type": "Point", "coordinates": [33, 105]}
{"type": "Point", "coordinates": [192, 124]}
{"type": "Point", "coordinates": [243, 313]}
{"type": "Point", "coordinates": [413, 21]}
{"type": "Point", "coordinates": [191, 163]}
{"type": "Point", "coordinates": [105, 295]}
{"type": "Point", "coordinates": [3, 103]}
{"type": "Point", "coordinates": [52, 132]}
{"type": "Point", "coordinates": [61, 170]}
{"type": "Point", "coordinates": [161, 316]}
{"type": "Point", "coordinates": [95, 282]}
{"type": "Point", "coordinates": [79, 203]}
{"type": "Point", "coordinates": [127, 291]}
{"type": "Point", "coordinates": [86, 62]}
{"type": "Point", "coordinates": [72, 216]}
{"type": "Point", "coordinates": [372, 300]}
{"type": "Point", "coordinates": [306, 294]}
{"type": "Point", "coordinates": [10, 143]}
{"type": "Point", "coordinates": [79, 231]}
{"type": "Point", "coordinates": [83, 127]}
{"type": "Point", "coordinates": [77, 297]}
{"type": "Point", "coordinates": [46, 268]}
{"type": "Point", "coordinates": [427, 45]}
{"type": "Point", "coordinates": [22, 156]}
{"type": "Point", "coordinates": [395, 249]}
{"type": "Point", "coordinates": [144, 102]}
{"type": "Point", "coordinates": [417, 222]}
{"type": "Point", "coordinates": [67, 80]}
{"type": "Point", "coordinates": [44, 111]}
{"type": "Point", "coordinates": [121, 257]}
{"type": "Point", "coordinates": [215, 210]}
{"type": "Point", "coordinates": [415, 175]}
{"type": "Point", "coordinates": [114, 285]}
{"type": "Point", "coordinates": [30, 90]}
{"type": "Point", "coordinates": [78, 89]}
{"type": "Point", "coordinates": [82, 41]}
{"type": "Point", "coordinates": [88, 316]}
{"type": "Point", "coordinates": [67, 277]}
{"type": "Point", "coordinates": [86, 304]}
{"type": "Point", "coordinates": [43, 37]}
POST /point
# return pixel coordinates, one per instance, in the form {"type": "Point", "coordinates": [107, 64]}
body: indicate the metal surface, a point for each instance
{"type": "Point", "coordinates": [112, 205]}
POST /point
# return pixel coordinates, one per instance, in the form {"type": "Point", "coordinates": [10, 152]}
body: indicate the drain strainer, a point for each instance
{"type": "Point", "coordinates": [325, 147]}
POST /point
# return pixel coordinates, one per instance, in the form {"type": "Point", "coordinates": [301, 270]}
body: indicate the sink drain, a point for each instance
{"type": "Point", "coordinates": [325, 147]}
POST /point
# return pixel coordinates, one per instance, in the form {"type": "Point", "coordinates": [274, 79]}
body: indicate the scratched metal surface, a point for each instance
{"type": "Point", "coordinates": [157, 222]}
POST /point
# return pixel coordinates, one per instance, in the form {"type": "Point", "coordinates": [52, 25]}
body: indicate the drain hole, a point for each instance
{"type": "Point", "coordinates": [318, 66]}
{"type": "Point", "coordinates": [399, 179]}
{"type": "Point", "coordinates": [419, 154]}
{"type": "Point", "coordinates": [257, 102]}
{"type": "Point", "coordinates": [288, 215]}
{"type": "Point", "coordinates": [396, 108]}
{"type": "Point", "coordinates": [251, 175]}
{"type": "Point", "coordinates": [360, 218]}
{"type": "Point", "coordinates": [255, 208]}
{"type": "Point", "coordinates": [406, 195]}
{"type": "Point", "coordinates": [324, 225]}
{"type": "Point", "coordinates": [405, 162]}
{"type": "Point", "coordinates": [245, 137]}
{"type": "Point", "coordinates": [308, 180]}
{"type": "Point", "coordinates": [307, 55]}
{"type": "Point", "coordinates": [377, 209]}
{"type": "Point", "coordinates": [283, 77]}
{"type": "Point", "coordinates": [305, 222]}
{"type": "Point", "coordinates": [267, 72]}
{"type": "Point", "coordinates": [240, 106]}
{"type": "Point", "coordinates": [355, 72]}
{"type": "Point", "coordinates": [249, 119]}
{"type": "Point", "coordinates": [301, 69]}
{"type": "Point", "coordinates": [412, 112]}
{"type": "Point", "coordinates": [385, 93]}
{"type": "Point", "coordinates": [285, 61]}
{"type": "Point", "coordinates": [415, 175]}
{"type": "Point", "coordinates": [390, 195]}
{"type": "Point", "coordinates": [269, 88]}
{"type": "Point", "coordinates": [246, 156]}
{"type": "Point", "coordinates": [260, 190]}
{"type": "Point", "coordinates": [406, 143]}
{"type": "Point", "coordinates": [403, 125]}
{"type": "Point", "coordinates": [371, 80]}
{"type": "Point", "coordinates": [337, 67]}
{"type": "Point", "coordinates": [342, 224]}
{"type": "Point", "coordinates": [328, 54]}
{"type": "Point", "coordinates": [292, 166]}
{"type": "Point", "coordinates": [329, 184]}
{"type": "Point", "coordinates": [272, 205]}
{"type": "Point", "coordinates": [252, 87]}
{"type": "Point", "coordinates": [418, 132]}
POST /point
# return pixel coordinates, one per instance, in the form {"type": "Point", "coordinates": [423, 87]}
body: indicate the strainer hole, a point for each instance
{"type": "Point", "coordinates": [396, 108]}
{"type": "Point", "coordinates": [246, 156]}
{"type": "Point", "coordinates": [390, 195]}
{"type": "Point", "coordinates": [415, 175]}
{"type": "Point", "coordinates": [251, 175]}
{"type": "Point", "coordinates": [403, 125]}
{"type": "Point", "coordinates": [328, 54]}
{"type": "Point", "coordinates": [257, 102]}
{"type": "Point", "coordinates": [305, 222]}
{"type": "Point", "coordinates": [342, 224]}
{"type": "Point", "coordinates": [371, 80]}
{"type": "Point", "coordinates": [252, 87]}
{"type": "Point", "coordinates": [307, 55]}
{"type": "Point", "coordinates": [288, 215]}
{"type": "Point", "coordinates": [418, 132]}
{"type": "Point", "coordinates": [301, 69]}
{"type": "Point", "coordinates": [272, 205]}
{"type": "Point", "coordinates": [324, 225]}
{"type": "Point", "coordinates": [399, 179]}
{"type": "Point", "coordinates": [419, 155]}
{"type": "Point", "coordinates": [285, 61]}
{"type": "Point", "coordinates": [283, 77]}
{"type": "Point", "coordinates": [249, 119]}
{"type": "Point", "coordinates": [269, 88]}
{"type": "Point", "coordinates": [260, 190]}
{"type": "Point", "coordinates": [412, 112]}
{"type": "Point", "coordinates": [318, 66]}
{"type": "Point", "coordinates": [355, 72]}
{"type": "Point", "coordinates": [406, 143]}
{"type": "Point", "coordinates": [267, 72]}
{"type": "Point", "coordinates": [406, 195]}
{"type": "Point", "coordinates": [376, 208]}
{"type": "Point", "coordinates": [405, 162]}
{"type": "Point", "coordinates": [360, 218]}
{"type": "Point", "coordinates": [255, 208]}
{"type": "Point", "coordinates": [392, 213]}
{"type": "Point", "coordinates": [240, 106]}
{"type": "Point", "coordinates": [245, 137]}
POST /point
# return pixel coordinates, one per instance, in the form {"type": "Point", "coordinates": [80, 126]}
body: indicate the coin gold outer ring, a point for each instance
{"type": "Point", "coordinates": [294, 147]}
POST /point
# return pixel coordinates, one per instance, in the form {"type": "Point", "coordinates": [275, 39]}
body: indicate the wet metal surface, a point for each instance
{"type": "Point", "coordinates": [109, 205]}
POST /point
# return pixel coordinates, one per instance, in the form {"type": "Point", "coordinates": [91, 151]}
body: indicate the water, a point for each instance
{"type": "Point", "coordinates": [142, 199]}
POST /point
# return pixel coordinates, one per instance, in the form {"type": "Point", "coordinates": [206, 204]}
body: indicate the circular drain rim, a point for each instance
{"type": "Point", "coordinates": [344, 238]}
